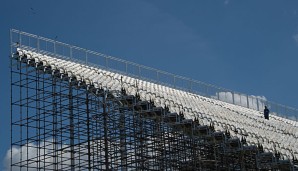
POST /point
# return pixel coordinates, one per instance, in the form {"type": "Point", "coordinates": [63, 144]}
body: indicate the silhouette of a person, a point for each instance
{"type": "Point", "coordinates": [266, 113]}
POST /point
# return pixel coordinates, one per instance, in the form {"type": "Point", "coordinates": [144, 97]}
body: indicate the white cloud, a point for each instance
{"type": "Point", "coordinates": [253, 102]}
{"type": "Point", "coordinates": [295, 37]}
{"type": "Point", "coordinates": [29, 152]}
{"type": "Point", "coordinates": [227, 2]}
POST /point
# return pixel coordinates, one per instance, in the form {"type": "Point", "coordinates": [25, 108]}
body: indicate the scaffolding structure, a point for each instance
{"type": "Point", "coordinates": [61, 123]}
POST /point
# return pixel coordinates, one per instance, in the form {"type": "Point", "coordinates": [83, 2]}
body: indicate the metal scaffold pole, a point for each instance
{"type": "Point", "coordinates": [122, 137]}
{"type": "Point", "coordinates": [71, 126]}
{"type": "Point", "coordinates": [88, 131]}
{"type": "Point", "coordinates": [105, 125]}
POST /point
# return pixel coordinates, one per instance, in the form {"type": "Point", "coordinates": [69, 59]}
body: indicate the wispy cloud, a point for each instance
{"type": "Point", "coordinates": [31, 152]}
{"type": "Point", "coordinates": [253, 102]}
{"type": "Point", "coordinates": [295, 37]}
{"type": "Point", "coordinates": [33, 155]}
{"type": "Point", "coordinates": [227, 2]}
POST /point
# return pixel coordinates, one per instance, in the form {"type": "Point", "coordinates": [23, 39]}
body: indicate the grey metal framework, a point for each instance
{"type": "Point", "coordinates": [59, 123]}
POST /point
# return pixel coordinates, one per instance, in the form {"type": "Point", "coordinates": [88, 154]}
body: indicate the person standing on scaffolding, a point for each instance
{"type": "Point", "coordinates": [266, 113]}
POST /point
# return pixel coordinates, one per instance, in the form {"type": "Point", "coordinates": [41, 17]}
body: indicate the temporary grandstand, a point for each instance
{"type": "Point", "coordinates": [75, 109]}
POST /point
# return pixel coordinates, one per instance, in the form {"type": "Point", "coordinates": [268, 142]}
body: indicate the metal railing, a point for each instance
{"type": "Point", "coordinates": [81, 55]}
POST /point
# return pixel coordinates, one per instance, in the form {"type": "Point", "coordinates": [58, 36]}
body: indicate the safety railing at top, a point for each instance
{"type": "Point", "coordinates": [74, 53]}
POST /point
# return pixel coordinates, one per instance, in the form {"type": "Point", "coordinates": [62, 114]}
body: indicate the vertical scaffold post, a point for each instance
{"type": "Point", "coordinates": [70, 52]}
{"type": "Point", "coordinates": [54, 128]}
{"type": "Point", "coordinates": [122, 140]}
{"type": "Point", "coordinates": [247, 105]}
{"type": "Point", "coordinates": [20, 38]}
{"type": "Point", "coordinates": [55, 48]}
{"type": "Point", "coordinates": [258, 108]}
{"type": "Point", "coordinates": [71, 125]}
{"type": "Point", "coordinates": [105, 122]}
{"type": "Point", "coordinates": [88, 130]}
{"type": "Point", "coordinates": [106, 61]}
{"type": "Point", "coordinates": [37, 44]}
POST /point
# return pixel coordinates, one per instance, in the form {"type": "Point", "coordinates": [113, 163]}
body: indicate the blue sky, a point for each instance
{"type": "Point", "coordinates": [247, 46]}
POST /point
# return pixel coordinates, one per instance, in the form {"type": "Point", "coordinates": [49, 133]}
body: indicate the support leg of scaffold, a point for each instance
{"type": "Point", "coordinates": [88, 130]}
{"type": "Point", "coordinates": [71, 123]}
{"type": "Point", "coordinates": [54, 104]}
{"type": "Point", "coordinates": [105, 118]}
{"type": "Point", "coordinates": [122, 141]}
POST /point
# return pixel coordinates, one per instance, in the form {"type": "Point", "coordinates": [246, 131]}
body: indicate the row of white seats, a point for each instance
{"type": "Point", "coordinates": [274, 132]}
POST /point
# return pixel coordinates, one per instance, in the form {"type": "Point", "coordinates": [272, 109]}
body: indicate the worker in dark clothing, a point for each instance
{"type": "Point", "coordinates": [266, 113]}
